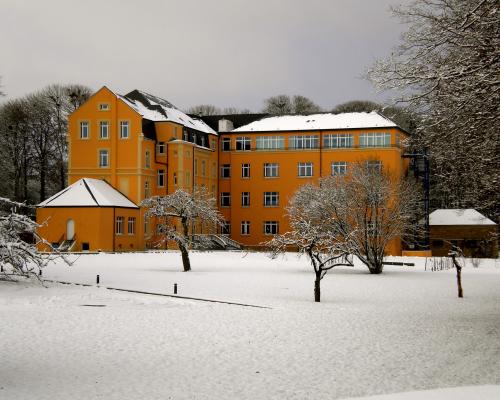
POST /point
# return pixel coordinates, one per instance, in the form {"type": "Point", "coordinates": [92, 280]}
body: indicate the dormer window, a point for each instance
{"type": "Point", "coordinates": [186, 137]}
{"type": "Point", "coordinates": [103, 107]}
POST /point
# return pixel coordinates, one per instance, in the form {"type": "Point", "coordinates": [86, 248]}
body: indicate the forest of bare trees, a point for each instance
{"type": "Point", "coordinates": [33, 142]}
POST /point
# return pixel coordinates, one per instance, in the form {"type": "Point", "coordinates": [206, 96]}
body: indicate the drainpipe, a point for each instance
{"type": "Point", "coordinates": [113, 225]}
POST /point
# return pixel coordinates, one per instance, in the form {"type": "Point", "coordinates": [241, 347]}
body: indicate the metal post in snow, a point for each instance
{"type": "Point", "coordinates": [97, 279]}
{"type": "Point", "coordinates": [175, 288]}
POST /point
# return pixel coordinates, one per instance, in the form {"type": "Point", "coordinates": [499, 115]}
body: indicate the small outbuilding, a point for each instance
{"type": "Point", "coordinates": [472, 232]}
{"type": "Point", "coordinates": [89, 215]}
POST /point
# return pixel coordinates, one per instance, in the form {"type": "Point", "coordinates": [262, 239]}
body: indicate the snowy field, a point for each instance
{"type": "Point", "coordinates": [398, 333]}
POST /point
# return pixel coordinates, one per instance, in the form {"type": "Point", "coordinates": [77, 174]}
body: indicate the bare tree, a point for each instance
{"type": "Point", "coordinates": [446, 69]}
{"type": "Point", "coordinates": [204, 110]}
{"type": "Point", "coordinates": [183, 209]}
{"type": "Point", "coordinates": [311, 234]}
{"type": "Point", "coordinates": [235, 110]}
{"type": "Point", "coordinates": [369, 208]}
{"type": "Point", "coordinates": [357, 106]}
{"type": "Point", "coordinates": [456, 253]}
{"type": "Point", "coordinates": [284, 104]}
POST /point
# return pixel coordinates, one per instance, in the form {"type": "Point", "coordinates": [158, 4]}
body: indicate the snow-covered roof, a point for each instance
{"type": "Point", "coordinates": [157, 109]}
{"type": "Point", "coordinates": [88, 192]}
{"type": "Point", "coordinates": [319, 122]}
{"type": "Point", "coordinates": [467, 216]}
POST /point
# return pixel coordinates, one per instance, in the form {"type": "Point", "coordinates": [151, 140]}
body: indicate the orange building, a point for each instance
{"type": "Point", "coordinates": [263, 163]}
{"type": "Point", "coordinates": [144, 146]}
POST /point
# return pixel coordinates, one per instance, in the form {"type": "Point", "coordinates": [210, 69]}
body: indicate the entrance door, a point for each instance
{"type": "Point", "coordinates": [70, 229]}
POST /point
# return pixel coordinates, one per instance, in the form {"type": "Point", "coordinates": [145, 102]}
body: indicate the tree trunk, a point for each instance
{"type": "Point", "coordinates": [62, 175]}
{"type": "Point", "coordinates": [317, 288]}
{"type": "Point", "coordinates": [185, 258]}
{"type": "Point", "coordinates": [459, 282]}
{"type": "Point", "coordinates": [375, 267]}
{"type": "Point", "coordinates": [184, 251]}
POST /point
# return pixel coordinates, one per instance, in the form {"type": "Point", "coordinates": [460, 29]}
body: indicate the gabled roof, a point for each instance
{"type": "Point", "coordinates": [324, 121]}
{"type": "Point", "coordinates": [88, 192]}
{"type": "Point", "coordinates": [467, 216]}
{"type": "Point", "coordinates": [157, 109]}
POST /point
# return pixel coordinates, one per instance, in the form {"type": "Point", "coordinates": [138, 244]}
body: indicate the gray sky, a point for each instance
{"type": "Point", "coordinates": [222, 52]}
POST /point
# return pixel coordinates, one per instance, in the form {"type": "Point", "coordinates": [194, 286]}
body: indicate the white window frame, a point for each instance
{"type": "Point", "coordinates": [119, 225]}
{"type": "Point", "coordinates": [271, 199]}
{"type": "Point", "coordinates": [338, 168]}
{"type": "Point", "coordinates": [161, 178]}
{"type": "Point", "coordinates": [303, 142]}
{"type": "Point", "coordinates": [338, 141]}
{"type": "Point", "coordinates": [271, 227]}
{"type": "Point", "coordinates": [147, 189]}
{"type": "Point", "coordinates": [103, 107]}
{"type": "Point", "coordinates": [245, 228]}
{"type": "Point", "coordinates": [374, 165]}
{"type": "Point", "coordinates": [270, 143]}
{"type": "Point", "coordinates": [124, 129]}
{"type": "Point", "coordinates": [103, 158]}
{"type": "Point", "coordinates": [104, 130]}
{"type": "Point", "coordinates": [147, 159]}
{"type": "Point", "coordinates": [245, 170]}
{"type": "Point", "coordinates": [243, 143]}
{"type": "Point", "coordinates": [223, 169]}
{"type": "Point", "coordinates": [160, 148]}
{"type": "Point", "coordinates": [305, 169]}
{"type": "Point", "coordinates": [245, 199]}
{"type": "Point", "coordinates": [84, 130]}
{"type": "Point", "coordinates": [131, 226]}
{"type": "Point", "coordinates": [271, 170]}
{"type": "Point", "coordinates": [375, 139]}
{"type": "Point", "coordinates": [225, 196]}
{"type": "Point", "coordinates": [225, 141]}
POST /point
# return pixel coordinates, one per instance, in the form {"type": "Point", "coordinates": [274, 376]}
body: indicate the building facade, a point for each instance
{"type": "Point", "coordinates": [143, 146]}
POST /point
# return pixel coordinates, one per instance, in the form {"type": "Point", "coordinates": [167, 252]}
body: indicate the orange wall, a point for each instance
{"type": "Point", "coordinates": [288, 181]}
{"type": "Point", "coordinates": [93, 225]}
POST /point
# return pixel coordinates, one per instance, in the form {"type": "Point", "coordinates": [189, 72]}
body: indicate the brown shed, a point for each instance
{"type": "Point", "coordinates": [468, 229]}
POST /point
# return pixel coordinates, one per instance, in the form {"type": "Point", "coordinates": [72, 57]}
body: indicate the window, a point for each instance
{"type": "Point", "coordinates": [124, 131]}
{"type": "Point", "coordinates": [271, 227]}
{"type": "Point", "coordinates": [339, 140]}
{"type": "Point", "coordinates": [226, 144]}
{"type": "Point", "coordinates": [119, 225]}
{"type": "Point", "coordinates": [339, 168]}
{"type": "Point", "coordinates": [225, 171]}
{"type": "Point", "coordinates": [146, 224]}
{"type": "Point", "coordinates": [131, 226]}
{"type": "Point", "coordinates": [375, 139]}
{"type": "Point", "coordinates": [84, 130]}
{"type": "Point", "coordinates": [186, 136]}
{"type": "Point", "coordinates": [188, 177]}
{"type": "Point", "coordinates": [243, 143]}
{"type": "Point", "coordinates": [245, 227]}
{"type": "Point", "coordinates": [305, 169]}
{"type": "Point", "coordinates": [161, 178]}
{"type": "Point", "coordinates": [398, 139]}
{"type": "Point", "coordinates": [175, 178]}
{"type": "Point", "coordinates": [225, 199]}
{"type": "Point", "coordinates": [303, 142]}
{"type": "Point", "coordinates": [245, 199]}
{"type": "Point", "coordinates": [271, 199]}
{"type": "Point", "coordinates": [104, 129]}
{"type": "Point", "coordinates": [195, 167]}
{"type": "Point", "coordinates": [212, 144]}
{"type": "Point", "coordinates": [245, 170]}
{"type": "Point", "coordinates": [203, 168]}
{"type": "Point", "coordinates": [103, 107]}
{"type": "Point", "coordinates": [374, 165]}
{"type": "Point", "coordinates": [225, 228]}
{"type": "Point", "coordinates": [214, 170]}
{"type": "Point", "coordinates": [202, 141]}
{"type": "Point", "coordinates": [147, 190]}
{"type": "Point", "coordinates": [270, 142]}
{"type": "Point", "coordinates": [103, 158]}
{"type": "Point", "coordinates": [160, 147]}
{"type": "Point", "coordinates": [271, 170]}
{"type": "Point", "coordinates": [147, 159]}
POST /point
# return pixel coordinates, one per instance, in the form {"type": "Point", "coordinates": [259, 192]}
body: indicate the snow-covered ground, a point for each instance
{"type": "Point", "coordinates": [402, 331]}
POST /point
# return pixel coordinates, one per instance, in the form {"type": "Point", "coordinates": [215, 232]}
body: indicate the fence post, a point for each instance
{"type": "Point", "coordinates": [175, 288]}
{"type": "Point", "coordinates": [97, 279]}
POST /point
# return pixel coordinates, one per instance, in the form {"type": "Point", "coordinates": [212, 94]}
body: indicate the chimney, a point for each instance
{"type": "Point", "coordinates": [225, 125]}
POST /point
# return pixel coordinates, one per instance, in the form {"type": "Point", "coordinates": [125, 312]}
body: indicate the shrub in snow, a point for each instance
{"type": "Point", "coordinates": [18, 242]}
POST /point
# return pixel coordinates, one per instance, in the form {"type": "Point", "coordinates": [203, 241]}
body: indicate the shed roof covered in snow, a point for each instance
{"type": "Point", "coordinates": [157, 109]}
{"type": "Point", "coordinates": [355, 120]}
{"type": "Point", "coordinates": [467, 216]}
{"type": "Point", "coordinates": [88, 192]}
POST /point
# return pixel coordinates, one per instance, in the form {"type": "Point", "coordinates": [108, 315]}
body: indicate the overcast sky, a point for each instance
{"type": "Point", "coordinates": [222, 52]}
